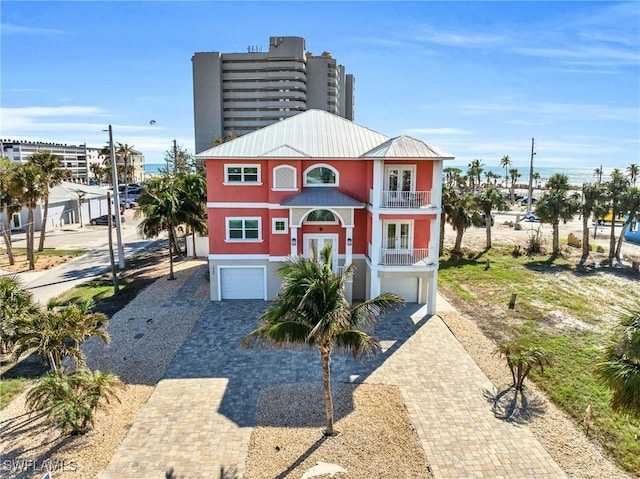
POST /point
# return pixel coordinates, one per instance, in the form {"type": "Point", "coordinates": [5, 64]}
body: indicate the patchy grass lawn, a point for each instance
{"type": "Point", "coordinates": [10, 388]}
{"type": "Point", "coordinates": [567, 311]}
{"type": "Point", "coordinates": [46, 259]}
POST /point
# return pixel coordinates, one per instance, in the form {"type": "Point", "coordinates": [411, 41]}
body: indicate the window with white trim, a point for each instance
{"type": "Point", "coordinates": [284, 178]}
{"type": "Point", "coordinates": [244, 229]}
{"type": "Point", "coordinates": [280, 226]}
{"type": "Point", "coordinates": [321, 216]}
{"type": "Point", "coordinates": [242, 174]}
{"type": "Point", "coordinates": [321, 175]}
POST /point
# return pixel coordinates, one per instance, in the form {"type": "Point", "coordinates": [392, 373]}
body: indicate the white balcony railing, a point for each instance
{"type": "Point", "coordinates": [405, 257]}
{"type": "Point", "coordinates": [405, 199]}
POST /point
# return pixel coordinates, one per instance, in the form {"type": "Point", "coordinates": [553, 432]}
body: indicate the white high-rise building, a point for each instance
{"type": "Point", "coordinates": [237, 93]}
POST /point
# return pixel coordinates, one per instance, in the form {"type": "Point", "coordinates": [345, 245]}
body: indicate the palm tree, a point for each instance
{"type": "Point", "coordinates": [449, 197]}
{"type": "Point", "coordinates": [450, 174]}
{"type": "Point", "coordinates": [633, 170]}
{"type": "Point", "coordinates": [593, 201]}
{"type": "Point", "coordinates": [630, 205]}
{"type": "Point", "coordinates": [598, 174]}
{"type": "Point", "coordinates": [536, 178]}
{"type": "Point", "coordinates": [192, 193]}
{"type": "Point", "coordinates": [487, 201]}
{"type": "Point", "coordinates": [29, 185]}
{"type": "Point", "coordinates": [125, 152]}
{"type": "Point", "coordinates": [521, 360]}
{"type": "Point", "coordinates": [474, 172]}
{"type": "Point", "coordinates": [514, 174]}
{"type": "Point", "coordinates": [71, 400]}
{"type": "Point", "coordinates": [98, 171]}
{"type": "Point", "coordinates": [52, 175]}
{"type": "Point", "coordinates": [553, 207]}
{"type": "Point", "coordinates": [616, 189]}
{"type": "Point", "coordinates": [160, 205]}
{"type": "Point", "coordinates": [9, 204]}
{"type": "Point", "coordinates": [619, 365]}
{"type": "Point", "coordinates": [15, 302]}
{"type": "Point", "coordinates": [505, 163]}
{"type": "Point", "coordinates": [59, 331]}
{"type": "Point", "coordinates": [462, 215]}
{"type": "Point", "coordinates": [311, 310]}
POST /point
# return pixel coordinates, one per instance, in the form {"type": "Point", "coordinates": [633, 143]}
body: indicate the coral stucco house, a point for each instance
{"type": "Point", "coordinates": [316, 178]}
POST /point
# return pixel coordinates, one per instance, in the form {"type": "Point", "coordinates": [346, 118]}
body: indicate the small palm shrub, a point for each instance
{"type": "Point", "coordinates": [72, 399]}
{"type": "Point", "coordinates": [534, 243]}
{"type": "Point", "coordinates": [521, 360]}
{"type": "Point", "coordinates": [619, 365]}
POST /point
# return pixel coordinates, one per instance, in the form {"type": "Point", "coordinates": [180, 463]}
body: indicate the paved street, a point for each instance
{"type": "Point", "coordinates": [94, 239]}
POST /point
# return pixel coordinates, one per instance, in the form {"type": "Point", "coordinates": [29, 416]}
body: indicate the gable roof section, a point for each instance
{"type": "Point", "coordinates": [405, 147]}
{"type": "Point", "coordinates": [313, 133]}
{"type": "Point", "coordinates": [316, 197]}
{"type": "Point", "coordinates": [66, 191]}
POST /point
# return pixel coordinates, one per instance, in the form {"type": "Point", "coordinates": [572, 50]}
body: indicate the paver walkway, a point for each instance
{"type": "Point", "coordinates": [201, 414]}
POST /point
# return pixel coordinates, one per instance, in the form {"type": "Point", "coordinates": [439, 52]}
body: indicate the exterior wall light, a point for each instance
{"type": "Point", "coordinates": [293, 242]}
{"type": "Point", "coordinates": [349, 242]}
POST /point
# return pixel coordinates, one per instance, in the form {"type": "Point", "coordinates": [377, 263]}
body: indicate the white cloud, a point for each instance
{"type": "Point", "coordinates": [11, 29]}
{"type": "Point", "coordinates": [467, 39]}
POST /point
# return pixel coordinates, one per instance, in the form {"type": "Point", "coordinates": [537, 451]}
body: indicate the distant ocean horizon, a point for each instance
{"type": "Point", "coordinates": [577, 176]}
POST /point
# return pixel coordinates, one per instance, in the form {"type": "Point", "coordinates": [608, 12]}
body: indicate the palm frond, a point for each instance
{"type": "Point", "coordinates": [369, 311]}
{"type": "Point", "coordinates": [357, 343]}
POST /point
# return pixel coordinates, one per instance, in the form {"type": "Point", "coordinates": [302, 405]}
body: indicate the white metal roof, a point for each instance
{"type": "Point", "coordinates": [319, 134]}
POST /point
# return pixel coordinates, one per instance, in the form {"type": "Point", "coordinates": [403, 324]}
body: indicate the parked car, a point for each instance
{"type": "Point", "coordinates": [104, 220]}
{"type": "Point", "coordinates": [530, 216]}
{"type": "Point", "coordinates": [128, 204]}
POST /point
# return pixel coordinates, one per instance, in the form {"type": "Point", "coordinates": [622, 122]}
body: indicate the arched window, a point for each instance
{"type": "Point", "coordinates": [284, 177]}
{"type": "Point", "coordinates": [321, 175]}
{"type": "Point", "coordinates": [321, 216]}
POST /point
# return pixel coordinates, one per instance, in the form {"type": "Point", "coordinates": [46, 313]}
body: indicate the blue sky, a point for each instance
{"type": "Point", "coordinates": [477, 79]}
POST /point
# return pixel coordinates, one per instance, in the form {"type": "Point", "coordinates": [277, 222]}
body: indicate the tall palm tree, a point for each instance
{"type": "Point", "coordinates": [462, 215]}
{"type": "Point", "coordinates": [9, 204]}
{"type": "Point", "coordinates": [450, 174]}
{"type": "Point", "coordinates": [619, 365]}
{"type": "Point", "coordinates": [58, 332]}
{"type": "Point", "coordinates": [487, 201]}
{"type": "Point", "coordinates": [474, 172]}
{"type": "Point", "coordinates": [192, 196]}
{"type": "Point", "coordinates": [598, 174]}
{"type": "Point", "coordinates": [633, 170]}
{"type": "Point", "coordinates": [449, 197]}
{"type": "Point", "coordinates": [29, 185]}
{"type": "Point", "coordinates": [514, 174]}
{"type": "Point", "coordinates": [159, 204]}
{"type": "Point", "coordinates": [125, 152]}
{"type": "Point", "coordinates": [52, 175]}
{"type": "Point", "coordinates": [536, 178]}
{"type": "Point", "coordinates": [616, 188]}
{"type": "Point", "coordinates": [553, 207]}
{"type": "Point", "coordinates": [311, 310]}
{"type": "Point", "coordinates": [630, 205]}
{"type": "Point", "coordinates": [505, 163]}
{"type": "Point", "coordinates": [593, 202]}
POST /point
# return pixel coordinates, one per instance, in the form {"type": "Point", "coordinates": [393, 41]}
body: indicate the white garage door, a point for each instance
{"type": "Point", "coordinates": [405, 287]}
{"type": "Point", "coordinates": [242, 283]}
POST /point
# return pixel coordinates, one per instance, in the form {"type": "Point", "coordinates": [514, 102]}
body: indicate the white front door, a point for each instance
{"type": "Point", "coordinates": [313, 244]}
{"type": "Point", "coordinates": [399, 178]}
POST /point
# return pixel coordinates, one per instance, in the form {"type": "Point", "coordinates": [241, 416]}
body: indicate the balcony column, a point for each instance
{"type": "Point", "coordinates": [376, 238]}
{"type": "Point", "coordinates": [378, 183]}
{"type": "Point", "coordinates": [432, 293]}
{"type": "Point", "coordinates": [294, 240]}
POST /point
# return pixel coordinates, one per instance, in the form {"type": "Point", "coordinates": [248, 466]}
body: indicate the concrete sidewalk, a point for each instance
{"type": "Point", "coordinates": [200, 416]}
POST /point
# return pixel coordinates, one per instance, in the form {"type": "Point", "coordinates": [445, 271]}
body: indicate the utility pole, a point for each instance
{"type": "Point", "coordinates": [529, 200]}
{"type": "Point", "coordinates": [175, 157]}
{"type": "Point", "coordinates": [116, 200]}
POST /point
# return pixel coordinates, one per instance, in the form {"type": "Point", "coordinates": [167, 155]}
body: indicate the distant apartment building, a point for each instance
{"type": "Point", "coordinates": [238, 93]}
{"type": "Point", "coordinates": [75, 158]}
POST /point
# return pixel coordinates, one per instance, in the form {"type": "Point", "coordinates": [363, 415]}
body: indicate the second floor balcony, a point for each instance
{"type": "Point", "coordinates": [405, 257]}
{"type": "Point", "coordinates": [405, 199]}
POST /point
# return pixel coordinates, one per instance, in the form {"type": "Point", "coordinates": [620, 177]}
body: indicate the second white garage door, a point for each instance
{"type": "Point", "coordinates": [242, 283]}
